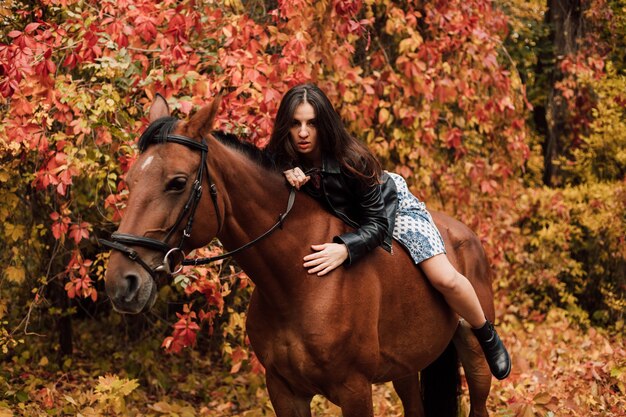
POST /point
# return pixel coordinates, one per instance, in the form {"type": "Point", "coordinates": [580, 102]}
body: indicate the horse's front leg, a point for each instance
{"type": "Point", "coordinates": [286, 402]}
{"type": "Point", "coordinates": [409, 391]}
{"type": "Point", "coordinates": [355, 397]}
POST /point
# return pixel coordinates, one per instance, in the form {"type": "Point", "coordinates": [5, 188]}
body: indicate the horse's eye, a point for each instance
{"type": "Point", "coordinates": [176, 184]}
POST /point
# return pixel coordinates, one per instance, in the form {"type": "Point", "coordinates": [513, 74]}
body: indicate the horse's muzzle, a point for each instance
{"type": "Point", "coordinates": [131, 292]}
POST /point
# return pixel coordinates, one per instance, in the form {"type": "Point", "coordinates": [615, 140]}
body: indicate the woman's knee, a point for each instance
{"type": "Point", "coordinates": [442, 275]}
{"type": "Point", "coordinates": [447, 281]}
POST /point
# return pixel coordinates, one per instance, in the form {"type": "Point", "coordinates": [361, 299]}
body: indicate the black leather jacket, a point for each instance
{"type": "Point", "coordinates": [370, 210]}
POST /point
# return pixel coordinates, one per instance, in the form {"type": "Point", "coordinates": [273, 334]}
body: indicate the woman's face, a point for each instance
{"type": "Point", "coordinates": [304, 133]}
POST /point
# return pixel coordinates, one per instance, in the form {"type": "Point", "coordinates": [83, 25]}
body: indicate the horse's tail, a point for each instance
{"type": "Point", "coordinates": [441, 385]}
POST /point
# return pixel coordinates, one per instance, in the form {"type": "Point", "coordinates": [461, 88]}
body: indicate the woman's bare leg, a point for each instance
{"type": "Point", "coordinates": [455, 288]}
{"type": "Point", "coordinates": [461, 297]}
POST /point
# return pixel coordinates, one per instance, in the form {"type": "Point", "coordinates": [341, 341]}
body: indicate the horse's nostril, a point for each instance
{"type": "Point", "coordinates": [132, 285]}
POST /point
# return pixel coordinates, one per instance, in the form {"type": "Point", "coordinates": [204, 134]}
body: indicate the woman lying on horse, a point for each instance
{"type": "Point", "coordinates": [310, 143]}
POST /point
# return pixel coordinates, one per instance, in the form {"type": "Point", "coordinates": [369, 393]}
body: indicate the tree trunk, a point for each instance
{"type": "Point", "coordinates": [64, 321]}
{"type": "Point", "coordinates": [565, 18]}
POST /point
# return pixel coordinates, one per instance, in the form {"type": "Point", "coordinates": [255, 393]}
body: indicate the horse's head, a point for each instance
{"type": "Point", "coordinates": [165, 185]}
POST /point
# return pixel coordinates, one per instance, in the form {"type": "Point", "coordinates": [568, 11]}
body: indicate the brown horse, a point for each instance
{"type": "Point", "coordinates": [377, 320]}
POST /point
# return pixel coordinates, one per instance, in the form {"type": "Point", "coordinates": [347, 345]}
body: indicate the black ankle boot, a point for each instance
{"type": "Point", "coordinates": [497, 357]}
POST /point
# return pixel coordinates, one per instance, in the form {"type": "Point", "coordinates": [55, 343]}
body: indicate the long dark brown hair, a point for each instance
{"type": "Point", "coordinates": [353, 156]}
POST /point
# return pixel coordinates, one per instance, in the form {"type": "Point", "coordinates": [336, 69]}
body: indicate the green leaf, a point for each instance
{"type": "Point", "coordinates": [182, 280]}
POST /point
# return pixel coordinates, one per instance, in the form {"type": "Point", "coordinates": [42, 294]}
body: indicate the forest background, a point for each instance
{"type": "Point", "coordinates": [509, 115]}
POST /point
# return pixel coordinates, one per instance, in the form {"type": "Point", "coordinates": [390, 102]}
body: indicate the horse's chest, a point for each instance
{"type": "Point", "coordinates": [309, 359]}
{"type": "Point", "coordinates": [299, 354]}
{"type": "Point", "coordinates": [316, 340]}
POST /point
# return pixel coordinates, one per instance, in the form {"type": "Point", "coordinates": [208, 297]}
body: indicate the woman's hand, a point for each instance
{"type": "Point", "coordinates": [296, 177]}
{"type": "Point", "coordinates": [327, 257]}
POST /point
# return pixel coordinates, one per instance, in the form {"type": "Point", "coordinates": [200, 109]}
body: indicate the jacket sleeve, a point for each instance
{"type": "Point", "coordinates": [373, 225]}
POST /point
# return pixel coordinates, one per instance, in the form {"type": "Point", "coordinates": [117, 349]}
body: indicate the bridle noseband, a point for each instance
{"type": "Point", "coordinates": [174, 258]}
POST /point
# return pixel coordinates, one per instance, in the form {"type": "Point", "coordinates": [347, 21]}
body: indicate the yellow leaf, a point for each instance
{"type": "Point", "coordinates": [15, 274]}
{"type": "Point", "coordinates": [542, 398]}
{"type": "Point", "coordinates": [406, 45]}
{"type": "Point", "coordinates": [526, 411]}
{"type": "Point", "coordinates": [236, 5]}
{"type": "Point", "coordinates": [5, 412]}
{"type": "Point", "coordinates": [410, 44]}
{"type": "Point", "coordinates": [397, 134]}
{"type": "Point", "coordinates": [70, 400]}
{"type": "Point", "coordinates": [14, 232]}
{"type": "Point", "coordinates": [112, 383]}
{"type": "Point", "coordinates": [161, 407]}
{"type": "Point", "coordinates": [383, 116]}
{"type": "Point", "coordinates": [88, 412]}
{"type": "Point", "coordinates": [128, 386]}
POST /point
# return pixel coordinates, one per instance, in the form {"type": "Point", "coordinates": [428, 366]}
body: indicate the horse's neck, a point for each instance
{"type": "Point", "coordinates": [253, 199]}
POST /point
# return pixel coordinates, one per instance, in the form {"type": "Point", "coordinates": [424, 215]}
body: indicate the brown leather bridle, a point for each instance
{"type": "Point", "coordinates": [175, 258]}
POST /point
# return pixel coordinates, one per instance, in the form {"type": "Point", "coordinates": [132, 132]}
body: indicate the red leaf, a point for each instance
{"type": "Point", "coordinates": [71, 289]}
{"type": "Point", "coordinates": [79, 232]}
{"type": "Point", "coordinates": [271, 95]}
{"type": "Point", "coordinates": [453, 140]}
{"type": "Point", "coordinates": [61, 188]}
{"type": "Point", "coordinates": [488, 186]}
{"type": "Point", "coordinates": [70, 61]}
{"type": "Point", "coordinates": [65, 177]}
{"type": "Point", "coordinates": [51, 66]}
{"type": "Point", "coordinates": [31, 27]}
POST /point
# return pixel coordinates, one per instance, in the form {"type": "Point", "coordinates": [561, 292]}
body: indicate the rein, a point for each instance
{"type": "Point", "coordinates": [279, 223]}
{"type": "Point", "coordinates": [175, 258]}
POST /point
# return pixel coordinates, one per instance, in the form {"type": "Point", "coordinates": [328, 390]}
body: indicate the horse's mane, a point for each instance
{"type": "Point", "coordinates": [158, 131]}
{"type": "Point", "coordinates": [257, 155]}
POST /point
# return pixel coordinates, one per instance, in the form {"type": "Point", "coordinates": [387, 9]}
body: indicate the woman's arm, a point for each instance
{"type": "Point", "coordinates": [373, 224]}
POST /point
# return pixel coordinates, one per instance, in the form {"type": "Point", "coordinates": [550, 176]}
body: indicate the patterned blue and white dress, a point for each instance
{"type": "Point", "coordinates": [414, 226]}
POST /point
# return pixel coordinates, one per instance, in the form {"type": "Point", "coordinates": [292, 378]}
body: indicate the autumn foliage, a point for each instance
{"type": "Point", "coordinates": [450, 94]}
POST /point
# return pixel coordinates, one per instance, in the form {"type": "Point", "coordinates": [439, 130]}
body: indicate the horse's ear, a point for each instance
{"type": "Point", "coordinates": [159, 108]}
{"type": "Point", "coordinates": [201, 123]}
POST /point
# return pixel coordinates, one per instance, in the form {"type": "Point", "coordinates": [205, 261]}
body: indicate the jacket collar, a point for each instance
{"type": "Point", "coordinates": [330, 165]}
